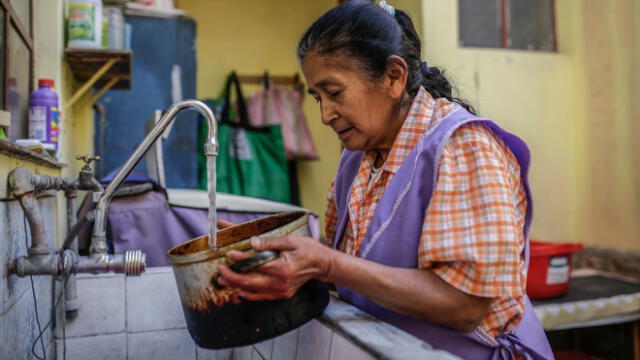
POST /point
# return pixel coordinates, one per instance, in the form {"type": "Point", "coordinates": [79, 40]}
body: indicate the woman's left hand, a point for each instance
{"type": "Point", "coordinates": [301, 258]}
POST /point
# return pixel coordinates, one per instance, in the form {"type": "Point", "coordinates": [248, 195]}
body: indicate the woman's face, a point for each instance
{"type": "Point", "coordinates": [358, 109]}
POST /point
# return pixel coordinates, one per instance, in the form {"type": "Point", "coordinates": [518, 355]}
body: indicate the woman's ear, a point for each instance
{"type": "Point", "coordinates": [397, 74]}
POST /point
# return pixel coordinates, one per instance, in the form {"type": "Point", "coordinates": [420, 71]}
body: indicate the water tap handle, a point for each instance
{"type": "Point", "coordinates": [87, 159]}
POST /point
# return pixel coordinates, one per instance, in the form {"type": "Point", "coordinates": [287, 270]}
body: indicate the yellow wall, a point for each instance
{"type": "Point", "coordinates": [49, 63]}
{"type": "Point", "coordinates": [252, 36]}
{"type": "Point", "coordinates": [574, 107]}
{"type": "Point", "coordinates": [77, 123]}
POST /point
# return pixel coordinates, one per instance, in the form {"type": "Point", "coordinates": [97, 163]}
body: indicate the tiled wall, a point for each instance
{"type": "Point", "coordinates": [18, 325]}
{"type": "Point", "coordinates": [141, 318]}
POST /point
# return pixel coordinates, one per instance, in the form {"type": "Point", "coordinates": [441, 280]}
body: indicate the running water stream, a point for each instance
{"type": "Point", "coordinates": [211, 190]}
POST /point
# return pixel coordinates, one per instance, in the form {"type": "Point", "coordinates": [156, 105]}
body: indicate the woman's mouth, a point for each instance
{"type": "Point", "coordinates": [344, 134]}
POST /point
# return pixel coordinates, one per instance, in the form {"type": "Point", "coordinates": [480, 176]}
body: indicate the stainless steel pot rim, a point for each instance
{"type": "Point", "coordinates": [208, 254]}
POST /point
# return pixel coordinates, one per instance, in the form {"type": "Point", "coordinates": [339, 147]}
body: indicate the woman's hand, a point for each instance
{"type": "Point", "coordinates": [301, 258]}
{"type": "Point", "coordinates": [224, 224]}
{"type": "Point", "coordinates": [418, 293]}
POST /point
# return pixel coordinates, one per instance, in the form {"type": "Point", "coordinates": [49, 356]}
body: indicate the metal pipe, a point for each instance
{"type": "Point", "coordinates": [42, 259]}
{"type": "Point", "coordinates": [71, 303]}
{"type": "Point", "coordinates": [22, 181]}
{"type": "Point", "coordinates": [131, 263]}
{"type": "Point", "coordinates": [99, 238]}
{"type": "Point", "coordinates": [69, 240]}
{"type": "Point", "coordinates": [31, 210]}
{"type": "Point", "coordinates": [23, 184]}
{"type": "Point", "coordinates": [44, 264]}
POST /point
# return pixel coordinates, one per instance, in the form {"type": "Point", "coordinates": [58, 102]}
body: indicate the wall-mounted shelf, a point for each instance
{"type": "Point", "coordinates": [104, 69]}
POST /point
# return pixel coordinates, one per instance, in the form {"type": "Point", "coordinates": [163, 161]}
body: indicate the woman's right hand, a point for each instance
{"type": "Point", "coordinates": [224, 224]}
{"type": "Point", "coordinates": [301, 258]}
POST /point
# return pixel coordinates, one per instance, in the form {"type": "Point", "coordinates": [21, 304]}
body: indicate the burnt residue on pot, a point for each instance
{"type": "Point", "coordinates": [216, 316]}
{"type": "Point", "coordinates": [216, 297]}
{"type": "Point", "coordinates": [247, 322]}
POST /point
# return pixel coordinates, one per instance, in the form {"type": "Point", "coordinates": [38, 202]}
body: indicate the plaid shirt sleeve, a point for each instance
{"type": "Point", "coordinates": [331, 216]}
{"type": "Point", "coordinates": [472, 235]}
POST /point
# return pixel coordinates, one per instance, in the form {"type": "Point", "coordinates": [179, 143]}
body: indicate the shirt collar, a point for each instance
{"type": "Point", "coordinates": [416, 123]}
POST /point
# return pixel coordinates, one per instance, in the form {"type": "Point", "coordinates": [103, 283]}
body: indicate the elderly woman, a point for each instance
{"type": "Point", "coordinates": [428, 215]}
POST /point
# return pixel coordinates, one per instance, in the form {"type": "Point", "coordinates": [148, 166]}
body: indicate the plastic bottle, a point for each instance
{"type": "Point", "coordinates": [44, 122]}
{"type": "Point", "coordinates": [105, 27]}
{"type": "Point", "coordinates": [85, 24]}
{"type": "Point", "coordinates": [115, 37]}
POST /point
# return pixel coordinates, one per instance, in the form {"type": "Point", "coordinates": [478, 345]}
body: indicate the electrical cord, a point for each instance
{"type": "Point", "coordinates": [41, 330]}
{"type": "Point", "coordinates": [35, 304]}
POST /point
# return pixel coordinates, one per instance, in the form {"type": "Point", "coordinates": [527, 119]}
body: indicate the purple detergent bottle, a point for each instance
{"type": "Point", "coordinates": [44, 122]}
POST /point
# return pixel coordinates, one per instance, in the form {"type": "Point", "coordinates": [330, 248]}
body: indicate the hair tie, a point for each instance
{"type": "Point", "coordinates": [386, 7]}
{"type": "Point", "coordinates": [424, 68]}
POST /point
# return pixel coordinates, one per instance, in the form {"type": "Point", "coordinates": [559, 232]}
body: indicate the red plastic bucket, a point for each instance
{"type": "Point", "coordinates": [549, 268]}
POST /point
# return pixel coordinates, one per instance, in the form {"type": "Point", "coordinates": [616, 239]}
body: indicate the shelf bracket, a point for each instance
{"type": "Point", "coordinates": [105, 88]}
{"type": "Point", "coordinates": [87, 85]}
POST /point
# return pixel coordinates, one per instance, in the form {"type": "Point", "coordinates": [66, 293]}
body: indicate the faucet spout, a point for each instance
{"type": "Point", "coordinates": [99, 238]}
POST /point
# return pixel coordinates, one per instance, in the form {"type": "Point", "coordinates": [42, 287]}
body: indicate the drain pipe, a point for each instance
{"type": "Point", "coordinates": [71, 303]}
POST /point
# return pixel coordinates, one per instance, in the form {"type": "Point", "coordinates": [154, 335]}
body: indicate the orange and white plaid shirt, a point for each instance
{"type": "Point", "coordinates": [472, 233]}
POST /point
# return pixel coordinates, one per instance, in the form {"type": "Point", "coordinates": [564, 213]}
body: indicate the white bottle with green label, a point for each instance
{"type": "Point", "coordinates": [84, 26]}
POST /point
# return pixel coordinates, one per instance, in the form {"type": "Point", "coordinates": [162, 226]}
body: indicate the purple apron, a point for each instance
{"type": "Point", "coordinates": [394, 234]}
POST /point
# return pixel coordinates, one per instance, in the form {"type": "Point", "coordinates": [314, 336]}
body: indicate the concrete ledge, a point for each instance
{"type": "Point", "coordinates": [380, 339]}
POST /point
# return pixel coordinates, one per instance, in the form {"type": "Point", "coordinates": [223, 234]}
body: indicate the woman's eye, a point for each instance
{"type": "Point", "coordinates": [335, 94]}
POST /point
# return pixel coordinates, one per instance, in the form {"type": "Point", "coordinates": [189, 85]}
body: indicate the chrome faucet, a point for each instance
{"type": "Point", "coordinates": [43, 260]}
{"type": "Point", "coordinates": [98, 241]}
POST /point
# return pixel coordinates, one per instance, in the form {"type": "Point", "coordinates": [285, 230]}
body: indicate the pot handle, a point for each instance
{"type": "Point", "coordinates": [248, 264]}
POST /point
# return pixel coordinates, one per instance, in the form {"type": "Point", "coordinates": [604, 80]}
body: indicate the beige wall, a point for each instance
{"type": "Point", "coordinates": [574, 107]}
{"type": "Point", "coordinates": [250, 37]}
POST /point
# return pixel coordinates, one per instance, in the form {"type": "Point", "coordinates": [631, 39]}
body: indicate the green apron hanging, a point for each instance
{"type": "Point", "coordinates": [251, 160]}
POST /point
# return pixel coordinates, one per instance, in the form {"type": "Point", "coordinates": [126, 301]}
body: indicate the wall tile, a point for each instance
{"type": "Point", "coordinates": [103, 347]}
{"type": "Point", "coordinates": [255, 355]}
{"type": "Point", "coordinates": [264, 349]}
{"type": "Point", "coordinates": [12, 246]}
{"type": "Point", "coordinates": [208, 354]}
{"type": "Point", "coordinates": [153, 303]}
{"type": "Point", "coordinates": [51, 351]}
{"type": "Point", "coordinates": [45, 297]}
{"type": "Point", "coordinates": [102, 307]}
{"type": "Point", "coordinates": [285, 346]}
{"type": "Point", "coordinates": [342, 348]}
{"type": "Point", "coordinates": [16, 330]}
{"type": "Point", "coordinates": [161, 345]}
{"type": "Point", "coordinates": [243, 353]}
{"type": "Point", "coordinates": [314, 342]}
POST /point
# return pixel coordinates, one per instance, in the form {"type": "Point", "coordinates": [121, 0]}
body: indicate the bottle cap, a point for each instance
{"type": "Point", "coordinates": [45, 82]}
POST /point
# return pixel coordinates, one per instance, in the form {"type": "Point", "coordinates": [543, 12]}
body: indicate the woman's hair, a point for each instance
{"type": "Point", "coordinates": [366, 32]}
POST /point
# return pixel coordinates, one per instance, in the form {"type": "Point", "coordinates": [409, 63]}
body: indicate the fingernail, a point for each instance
{"type": "Point", "coordinates": [255, 241]}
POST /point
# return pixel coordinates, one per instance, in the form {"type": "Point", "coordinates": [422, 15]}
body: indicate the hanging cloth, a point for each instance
{"type": "Point", "coordinates": [282, 106]}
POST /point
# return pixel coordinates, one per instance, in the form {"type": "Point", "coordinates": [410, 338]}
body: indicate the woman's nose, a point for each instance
{"type": "Point", "coordinates": [327, 113]}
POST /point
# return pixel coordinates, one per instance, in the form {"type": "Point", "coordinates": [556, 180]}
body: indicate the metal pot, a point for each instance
{"type": "Point", "coordinates": [216, 317]}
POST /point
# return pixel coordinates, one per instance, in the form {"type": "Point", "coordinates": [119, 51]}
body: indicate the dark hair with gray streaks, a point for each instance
{"type": "Point", "coordinates": [367, 33]}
